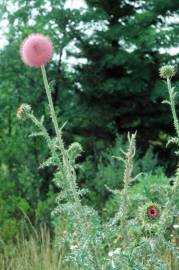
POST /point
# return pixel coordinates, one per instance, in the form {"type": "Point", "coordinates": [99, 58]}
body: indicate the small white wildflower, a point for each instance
{"type": "Point", "coordinates": [110, 253]}
{"type": "Point", "coordinates": [73, 247]}
{"type": "Point", "coordinates": [117, 251]}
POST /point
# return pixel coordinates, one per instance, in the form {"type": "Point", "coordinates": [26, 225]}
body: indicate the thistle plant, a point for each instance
{"type": "Point", "coordinates": [127, 159]}
{"type": "Point", "coordinates": [134, 238]}
{"type": "Point", "coordinates": [167, 72]}
{"type": "Point", "coordinates": [36, 51]}
{"type": "Point", "coordinates": [143, 240]}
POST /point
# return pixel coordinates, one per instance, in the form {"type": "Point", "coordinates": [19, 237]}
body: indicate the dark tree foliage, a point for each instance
{"type": "Point", "coordinates": [119, 85]}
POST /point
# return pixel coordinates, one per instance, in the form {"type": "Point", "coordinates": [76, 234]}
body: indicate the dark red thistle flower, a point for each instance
{"type": "Point", "coordinates": [153, 211]}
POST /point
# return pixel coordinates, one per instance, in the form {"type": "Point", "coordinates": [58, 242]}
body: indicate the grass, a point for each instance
{"type": "Point", "coordinates": [36, 253]}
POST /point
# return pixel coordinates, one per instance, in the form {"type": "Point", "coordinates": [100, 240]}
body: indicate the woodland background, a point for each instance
{"type": "Point", "coordinates": [106, 83]}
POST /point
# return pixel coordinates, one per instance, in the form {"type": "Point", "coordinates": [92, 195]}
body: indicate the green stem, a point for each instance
{"type": "Point", "coordinates": [52, 110]}
{"type": "Point", "coordinates": [172, 105]}
{"type": "Point", "coordinates": [70, 174]}
{"type": "Point", "coordinates": [126, 180]}
{"type": "Point", "coordinates": [68, 168]}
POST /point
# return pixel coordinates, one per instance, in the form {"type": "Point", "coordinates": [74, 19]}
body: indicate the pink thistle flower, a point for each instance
{"type": "Point", "coordinates": [36, 50]}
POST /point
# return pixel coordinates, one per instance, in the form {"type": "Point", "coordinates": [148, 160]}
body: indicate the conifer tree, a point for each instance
{"type": "Point", "coordinates": [119, 87]}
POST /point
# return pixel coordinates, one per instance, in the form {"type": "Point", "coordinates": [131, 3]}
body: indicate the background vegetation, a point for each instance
{"type": "Point", "coordinates": [105, 77]}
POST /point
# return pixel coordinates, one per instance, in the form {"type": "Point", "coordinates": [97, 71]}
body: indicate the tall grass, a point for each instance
{"type": "Point", "coordinates": [36, 253]}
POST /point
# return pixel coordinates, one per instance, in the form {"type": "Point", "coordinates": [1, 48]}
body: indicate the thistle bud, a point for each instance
{"type": "Point", "coordinates": [22, 110]}
{"type": "Point", "coordinates": [167, 72]}
{"type": "Point", "coordinates": [74, 150]}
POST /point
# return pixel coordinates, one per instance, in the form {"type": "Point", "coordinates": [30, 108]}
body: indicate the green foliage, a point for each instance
{"type": "Point", "coordinates": [119, 82]}
{"type": "Point", "coordinates": [109, 172]}
{"type": "Point", "coordinates": [139, 230]}
{"type": "Point", "coordinates": [149, 186]}
{"type": "Point", "coordinates": [113, 88]}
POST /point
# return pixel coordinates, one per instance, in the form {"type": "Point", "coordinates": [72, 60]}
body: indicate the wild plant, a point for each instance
{"type": "Point", "coordinates": [144, 238]}
{"type": "Point", "coordinates": [132, 239]}
{"type": "Point", "coordinates": [36, 51]}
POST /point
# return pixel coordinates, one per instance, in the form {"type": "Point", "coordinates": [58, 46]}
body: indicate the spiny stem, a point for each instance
{"type": "Point", "coordinates": [69, 170]}
{"type": "Point", "coordinates": [52, 110]}
{"type": "Point", "coordinates": [172, 105]}
{"type": "Point", "coordinates": [127, 177]}
{"type": "Point", "coordinates": [67, 166]}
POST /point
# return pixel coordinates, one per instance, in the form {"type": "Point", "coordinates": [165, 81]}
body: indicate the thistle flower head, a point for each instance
{"type": "Point", "coordinates": [24, 108]}
{"type": "Point", "coordinates": [148, 213]}
{"type": "Point", "coordinates": [36, 50]}
{"type": "Point", "coordinates": [152, 211]}
{"type": "Point", "coordinates": [167, 71]}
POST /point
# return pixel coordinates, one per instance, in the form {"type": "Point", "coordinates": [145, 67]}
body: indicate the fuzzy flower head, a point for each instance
{"type": "Point", "coordinates": [167, 72]}
{"type": "Point", "coordinates": [36, 50]}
